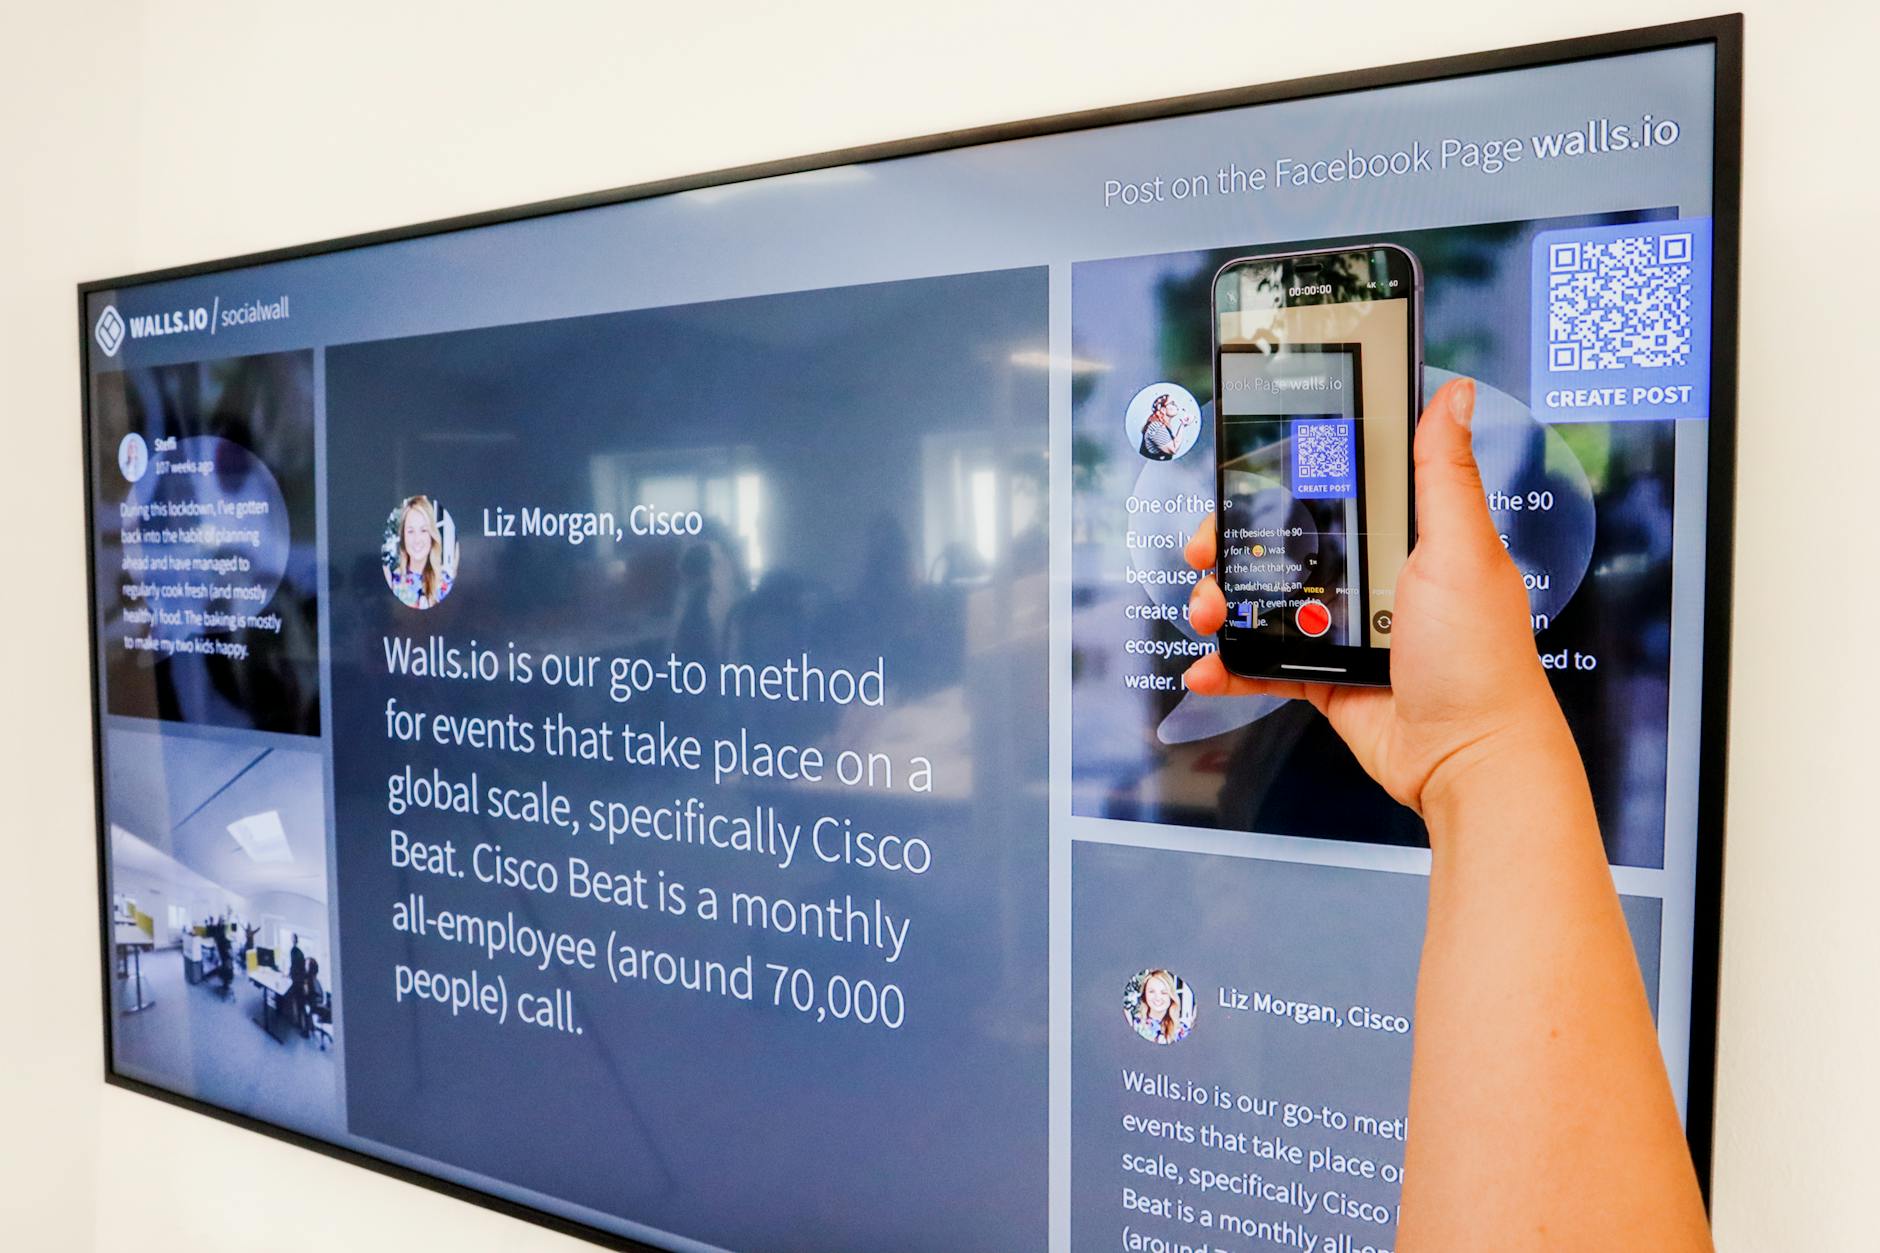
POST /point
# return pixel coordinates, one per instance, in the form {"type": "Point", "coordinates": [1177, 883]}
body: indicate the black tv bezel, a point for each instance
{"type": "Point", "coordinates": [1724, 33]}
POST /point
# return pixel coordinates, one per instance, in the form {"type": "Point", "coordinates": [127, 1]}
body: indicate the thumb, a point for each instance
{"type": "Point", "coordinates": [1452, 510]}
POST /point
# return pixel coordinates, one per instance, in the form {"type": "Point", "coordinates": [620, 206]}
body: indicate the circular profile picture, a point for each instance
{"type": "Point", "coordinates": [1159, 1006]}
{"type": "Point", "coordinates": [419, 552]}
{"type": "Point", "coordinates": [1163, 421]}
{"type": "Point", "coordinates": [133, 457]}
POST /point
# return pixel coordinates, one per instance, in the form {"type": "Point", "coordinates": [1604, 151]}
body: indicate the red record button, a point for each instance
{"type": "Point", "coordinates": [1313, 618]}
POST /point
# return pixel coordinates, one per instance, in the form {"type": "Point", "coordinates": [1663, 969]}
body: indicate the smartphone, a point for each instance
{"type": "Point", "coordinates": [1318, 370]}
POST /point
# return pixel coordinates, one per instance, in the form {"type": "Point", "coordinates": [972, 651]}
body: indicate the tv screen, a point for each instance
{"type": "Point", "coordinates": [668, 705]}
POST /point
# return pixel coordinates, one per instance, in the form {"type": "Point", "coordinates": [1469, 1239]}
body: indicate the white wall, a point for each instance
{"type": "Point", "coordinates": [138, 135]}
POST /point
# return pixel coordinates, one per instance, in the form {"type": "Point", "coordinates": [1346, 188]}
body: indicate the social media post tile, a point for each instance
{"type": "Point", "coordinates": [691, 786]}
{"type": "Point", "coordinates": [223, 952]}
{"type": "Point", "coordinates": [1241, 1034]}
{"type": "Point", "coordinates": [203, 506]}
{"type": "Point", "coordinates": [1583, 506]}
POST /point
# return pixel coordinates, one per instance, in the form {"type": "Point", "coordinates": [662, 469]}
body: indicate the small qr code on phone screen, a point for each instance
{"type": "Point", "coordinates": [1324, 451]}
{"type": "Point", "coordinates": [1325, 457]}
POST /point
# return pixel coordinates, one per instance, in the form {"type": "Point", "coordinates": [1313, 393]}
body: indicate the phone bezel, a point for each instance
{"type": "Point", "coordinates": [1258, 657]}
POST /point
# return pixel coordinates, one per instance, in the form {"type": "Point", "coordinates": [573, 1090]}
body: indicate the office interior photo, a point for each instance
{"type": "Point", "coordinates": [221, 966]}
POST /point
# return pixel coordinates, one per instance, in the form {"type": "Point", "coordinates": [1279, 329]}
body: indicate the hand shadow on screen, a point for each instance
{"type": "Point", "coordinates": [1290, 774]}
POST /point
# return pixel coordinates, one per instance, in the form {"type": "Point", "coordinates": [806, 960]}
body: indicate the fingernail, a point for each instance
{"type": "Point", "coordinates": [1462, 402]}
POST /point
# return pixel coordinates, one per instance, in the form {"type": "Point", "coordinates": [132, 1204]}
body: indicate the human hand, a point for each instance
{"type": "Point", "coordinates": [1466, 680]}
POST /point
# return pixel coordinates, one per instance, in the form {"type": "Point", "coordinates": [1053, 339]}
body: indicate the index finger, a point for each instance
{"type": "Point", "coordinates": [1199, 551]}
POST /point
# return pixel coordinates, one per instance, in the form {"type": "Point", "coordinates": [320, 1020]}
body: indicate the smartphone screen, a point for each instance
{"type": "Point", "coordinates": [1316, 372]}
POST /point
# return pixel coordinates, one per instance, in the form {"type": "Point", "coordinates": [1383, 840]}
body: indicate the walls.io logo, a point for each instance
{"type": "Point", "coordinates": [109, 331]}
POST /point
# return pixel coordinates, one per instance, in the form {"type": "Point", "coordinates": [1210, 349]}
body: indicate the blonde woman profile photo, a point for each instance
{"type": "Point", "coordinates": [1159, 1006]}
{"type": "Point", "coordinates": [420, 553]}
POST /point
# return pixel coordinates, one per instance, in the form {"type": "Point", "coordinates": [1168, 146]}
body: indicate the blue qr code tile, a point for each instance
{"type": "Point", "coordinates": [1621, 322]}
{"type": "Point", "coordinates": [1324, 460]}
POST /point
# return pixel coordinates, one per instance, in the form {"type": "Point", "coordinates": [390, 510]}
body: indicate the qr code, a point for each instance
{"type": "Point", "coordinates": [1322, 450]}
{"type": "Point", "coordinates": [1619, 302]}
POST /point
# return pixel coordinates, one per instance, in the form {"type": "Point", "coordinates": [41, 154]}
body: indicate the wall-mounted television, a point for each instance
{"type": "Point", "coordinates": [660, 712]}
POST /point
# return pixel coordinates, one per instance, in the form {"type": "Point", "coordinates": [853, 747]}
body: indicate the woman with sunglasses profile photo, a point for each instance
{"type": "Point", "coordinates": [420, 553]}
{"type": "Point", "coordinates": [1164, 420]}
{"type": "Point", "coordinates": [1159, 1006]}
